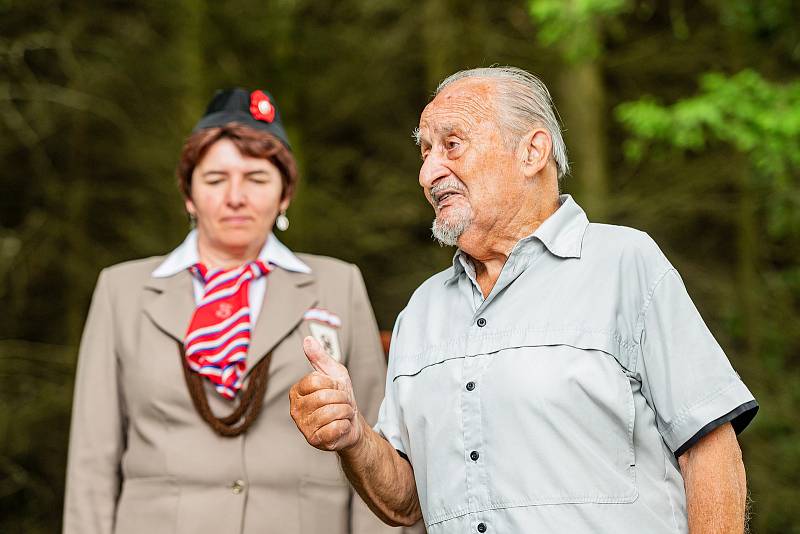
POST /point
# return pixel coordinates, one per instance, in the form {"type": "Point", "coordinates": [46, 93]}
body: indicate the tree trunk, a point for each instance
{"type": "Point", "coordinates": [747, 264]}
{"type": "Point", "coordinates": [582, 107]}
{"type": "Point", "coordinates": [189, 53]}
{"type": "Point", "coordinates": [747, 238]}
{"type": "Point", "coordinates": [437, 32]}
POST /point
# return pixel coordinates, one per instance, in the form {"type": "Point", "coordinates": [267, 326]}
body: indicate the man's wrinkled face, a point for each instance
{"type": "Point", "coordinates": [466, 166]}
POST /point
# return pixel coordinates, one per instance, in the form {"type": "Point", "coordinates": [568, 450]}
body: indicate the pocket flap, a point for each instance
{"type": "Point", "coordinates": [495, 341]}
{"type": "Point", "coordinates": [410, 364]}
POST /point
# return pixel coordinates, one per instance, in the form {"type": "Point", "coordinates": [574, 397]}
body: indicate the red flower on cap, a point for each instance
{"type": "Point", "coordinates": [260, 107]}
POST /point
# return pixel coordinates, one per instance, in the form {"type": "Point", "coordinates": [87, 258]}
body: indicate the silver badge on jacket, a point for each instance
{"type": "Point", "coordinates": [323, 326]}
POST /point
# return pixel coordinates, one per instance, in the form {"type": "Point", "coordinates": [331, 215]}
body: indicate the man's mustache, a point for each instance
{"type": "Point", "coordinates": [446, 187]}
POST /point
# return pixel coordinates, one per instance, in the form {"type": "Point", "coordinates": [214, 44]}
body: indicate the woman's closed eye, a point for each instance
{"type": "Point", "coordinates": [261, 177]}
{"type": "Point", "coordinates": [214, 178]}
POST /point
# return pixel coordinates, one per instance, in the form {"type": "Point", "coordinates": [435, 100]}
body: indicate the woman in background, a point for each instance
{"type": "Point", "coordinates": [180, 421]}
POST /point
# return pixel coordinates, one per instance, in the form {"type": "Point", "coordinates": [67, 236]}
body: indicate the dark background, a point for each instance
{"type": "Point", "coordinates": [682, 118]}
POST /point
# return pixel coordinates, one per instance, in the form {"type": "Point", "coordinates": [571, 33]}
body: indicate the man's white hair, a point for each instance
{"type": "Point", "coordinates": [523, 102]}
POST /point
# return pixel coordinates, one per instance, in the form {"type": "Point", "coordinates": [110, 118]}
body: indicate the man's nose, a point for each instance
{"type": "Point", "coordinates": [432, 170]}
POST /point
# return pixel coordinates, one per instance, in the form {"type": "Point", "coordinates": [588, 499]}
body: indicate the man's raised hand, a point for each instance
{"type": "Point", "coordinates": [322, 403]}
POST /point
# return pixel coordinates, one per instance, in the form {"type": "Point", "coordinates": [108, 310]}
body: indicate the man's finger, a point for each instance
{"type": "Point", "coordinates": [332, 412]}
{"type": "Point", "coordinates": [321, 397]}
{"type": "Point", "coordinates": [321, 361]}
{"type": "Point", "coordinates": [316, 381]}
{"type": "Point", "coordinates": [329, 436]}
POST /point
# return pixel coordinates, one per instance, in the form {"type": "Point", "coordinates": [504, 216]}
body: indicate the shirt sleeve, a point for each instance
{"type": "Point", "coordinates": [389, 423]}
{"type": "Point", "coordinates": [686, 376]}
{"type": "Point", "coordinates": [97, 432]}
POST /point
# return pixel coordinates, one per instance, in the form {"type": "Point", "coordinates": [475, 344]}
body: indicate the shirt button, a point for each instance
{"type": "Point", "coordinates": [237, 487]}
{"type": "Point", "coordinates": [481, 527]}
{"type": "Point", "coordinates": [481, 322]}
{"type": "Point", "coordinates": [474, 455]}
{"type": "Point", "coordinates": [470, 385]}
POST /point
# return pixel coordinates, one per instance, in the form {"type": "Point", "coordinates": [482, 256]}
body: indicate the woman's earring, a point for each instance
{"type": "Point", "coordinates": [282, 222]}
{"type": "Point", "coordinates": [192, 221]}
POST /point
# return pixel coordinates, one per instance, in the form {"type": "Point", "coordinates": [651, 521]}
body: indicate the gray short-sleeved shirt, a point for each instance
{"type": "Point", "coordinates": [558, 403]}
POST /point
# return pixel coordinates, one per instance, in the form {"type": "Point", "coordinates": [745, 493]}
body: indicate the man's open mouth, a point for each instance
{"type": "Point", "coordinates": [442, 197]}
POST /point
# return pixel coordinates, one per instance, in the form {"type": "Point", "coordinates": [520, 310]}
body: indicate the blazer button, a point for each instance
{"type": "Point", "coordinates": [481, 322]}
{"type": "Point", "coordinates": [481, 527]}
{"type": "Point", "coordinates": [237, 487]}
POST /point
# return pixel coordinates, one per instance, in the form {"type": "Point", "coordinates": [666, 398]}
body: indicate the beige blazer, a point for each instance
{"type": "Point", "coordinates": [142, 461]}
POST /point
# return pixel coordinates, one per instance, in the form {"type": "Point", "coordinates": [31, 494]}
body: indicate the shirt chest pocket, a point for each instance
{"type": "Point", "coordinates": [427, 392]}
{"type": "Point", "coordinates": [550, 414]}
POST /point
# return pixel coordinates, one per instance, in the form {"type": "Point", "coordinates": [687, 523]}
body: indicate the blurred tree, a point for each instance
{"type": "Point", "coordinates": [95, 101]}
{"type": "Point", "coordinates": [576, 30]}
{"type": "Point", "coordinates": [761, 120]}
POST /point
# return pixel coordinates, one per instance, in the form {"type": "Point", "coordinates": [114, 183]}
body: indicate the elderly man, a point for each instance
{"type": "Point", "coordinates": [557, 378]}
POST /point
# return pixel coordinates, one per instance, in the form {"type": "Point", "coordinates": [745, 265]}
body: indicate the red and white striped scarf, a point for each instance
{"type": "Point", "coordinates": [219, 333]}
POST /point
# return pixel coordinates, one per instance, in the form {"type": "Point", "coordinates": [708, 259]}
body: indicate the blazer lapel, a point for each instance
{"type": "Point", "coordinates": [172, 309]}
{"type": "Point", "coordinates": [288, 296]}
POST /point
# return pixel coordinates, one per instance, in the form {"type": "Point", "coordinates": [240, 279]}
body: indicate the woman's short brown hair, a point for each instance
{"type": "Point", "coordinates": [249, 141]}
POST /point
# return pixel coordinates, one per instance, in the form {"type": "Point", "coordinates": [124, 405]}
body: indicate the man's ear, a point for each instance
{"type": "Point", "coordinates": [537, 146]}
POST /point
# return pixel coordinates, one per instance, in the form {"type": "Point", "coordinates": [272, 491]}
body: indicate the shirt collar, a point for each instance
{"type": "Point", "coordinates": [561, 233]}
{"type": "Point", "coordinates": [185, 255]}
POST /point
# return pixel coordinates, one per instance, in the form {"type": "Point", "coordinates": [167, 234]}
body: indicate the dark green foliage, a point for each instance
{"type": "Point", "coordinates": [701, 129]}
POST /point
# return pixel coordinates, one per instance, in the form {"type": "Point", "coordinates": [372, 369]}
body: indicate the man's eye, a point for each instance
{"type": "Point", "coordinates": [452, 145]}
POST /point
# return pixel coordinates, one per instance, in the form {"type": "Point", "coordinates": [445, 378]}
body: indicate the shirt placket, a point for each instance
{"type": "Point", "coordinates": [471, 415]}
{"type": "Point", "coordinates": [474, 438]}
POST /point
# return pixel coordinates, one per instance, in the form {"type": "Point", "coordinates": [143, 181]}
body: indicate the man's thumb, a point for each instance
{"type": "Point", "coordinates": [319, 359]}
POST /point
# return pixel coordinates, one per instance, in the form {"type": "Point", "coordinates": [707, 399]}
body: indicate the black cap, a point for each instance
{"type": "Point", "coordinates": [255, 109]}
